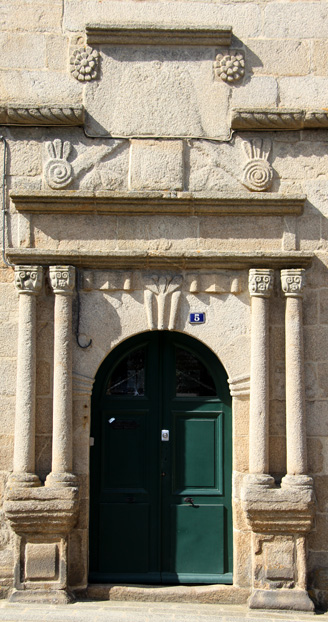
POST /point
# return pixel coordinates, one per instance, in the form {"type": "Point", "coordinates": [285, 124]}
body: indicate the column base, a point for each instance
{"type": "Point", "coordinates": [52, 597]}
{"type": "Point", "coordinates": [23, 480]}
{"type": "Point", "coordinates": [293, 599]}
{"type": "Point", "coordinates": [60, 480]}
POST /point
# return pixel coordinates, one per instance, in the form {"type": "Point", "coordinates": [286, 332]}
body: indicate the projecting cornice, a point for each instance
{"type": "Point", "coordinates": [75, 202]}
{"type": "Point", "coordinates": [274, 119]}
{"type": "Point", "coordinates": [136, 259]}
{"type": "Point", "coordinates": [136, 34]}
{"type": "Point", "coordinates": [32, 115]}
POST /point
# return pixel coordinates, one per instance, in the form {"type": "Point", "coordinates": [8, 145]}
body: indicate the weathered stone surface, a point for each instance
{"type": "Point", "coordinates": [40, 561]}
{"type": "Point", "coordinates": [156, 95]}
{"type": "Point", "coordinates": [175, 594]}
{"type": "Point", "coordinates": [156, 164]}
{"type": "Point", "coordinates": [289, 57]}
{"type": "Point", "coordinates": [245, 17]}
{"type": "Point", "coordinates": [41, 510]}
{"type": "Point", "coordinates": [262, 89]}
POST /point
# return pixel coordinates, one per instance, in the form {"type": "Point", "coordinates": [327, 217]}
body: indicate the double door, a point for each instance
{"type": "Point", "coordinates": [161, 464]}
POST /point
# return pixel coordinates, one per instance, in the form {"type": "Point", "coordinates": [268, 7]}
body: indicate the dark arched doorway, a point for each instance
{"type": "Point", "coordinates": [160, 484]}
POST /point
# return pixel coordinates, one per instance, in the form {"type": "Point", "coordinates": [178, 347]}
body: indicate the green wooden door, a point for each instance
{"type": "Point", "coordinates": [160, 507]}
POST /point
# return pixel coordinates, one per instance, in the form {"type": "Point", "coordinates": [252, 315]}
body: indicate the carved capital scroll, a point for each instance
{"type": "Point", "coordinates": [62, 279]}
{"type": "Point", "coordinates": [28, 279]}
{"type": "Point", "coordinates": [260, 282]}
{"type": "Point", "coordinates": [293, 281]}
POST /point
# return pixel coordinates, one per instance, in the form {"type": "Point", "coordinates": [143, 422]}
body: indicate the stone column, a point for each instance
{"type": "Point", "coordinates": [28, 281]}
{"type": "Point", "coordinates": [292, 282]}
{"type": "Point", "coordinates": [260, 287]}
{"type": "Point", "coordinates": [62, 281]}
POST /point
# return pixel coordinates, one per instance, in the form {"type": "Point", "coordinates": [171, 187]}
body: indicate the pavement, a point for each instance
{"type": "Point", "coordinates": [118, 611]}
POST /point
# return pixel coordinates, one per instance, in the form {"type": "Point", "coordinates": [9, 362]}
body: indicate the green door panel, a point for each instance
{"type": "Point", "coordinates": [124, 549]}
{"type": "Point", "coordinates": [197, 459]}
{"type": "Point", "coordinates": [124, 441]}
{"type": "Point", "coordinates": [199, 539]}
{"type": "Point", "coordinates": [143, 526]}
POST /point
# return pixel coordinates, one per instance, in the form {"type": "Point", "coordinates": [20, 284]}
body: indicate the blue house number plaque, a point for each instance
{"type": "Point", "coordinates": [197, 318]}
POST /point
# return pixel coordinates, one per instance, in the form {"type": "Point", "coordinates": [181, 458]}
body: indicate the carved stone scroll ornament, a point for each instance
{"type": "Point", "coordinates": [62, 279]}
{"type": "Point", "coordinates": [260, 282]}
{"type": "Point", "coordinates": [292, 282]}
{"type": "Point", "coordinates": [58, 171]}
{"type": "Point", "coordinates": [230, 66]}
{"type": "Point", "coordinates": [165, 289]}
{"type": "Point", "coordinates": [84, 64]}
{"type": "Point", "coordinates": [257, 172]}
{"type": "Point", "coordinates": [28, 279]}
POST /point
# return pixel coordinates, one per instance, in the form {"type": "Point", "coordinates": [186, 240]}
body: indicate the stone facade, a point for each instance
{"type": "Point", "coordinates": [160, 157]}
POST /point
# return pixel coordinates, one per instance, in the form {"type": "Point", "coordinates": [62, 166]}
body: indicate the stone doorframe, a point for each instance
{"type": "Point", "coordinates": [42, 516]}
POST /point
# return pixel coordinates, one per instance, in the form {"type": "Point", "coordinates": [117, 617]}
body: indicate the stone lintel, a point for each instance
{"type": "Point", "coordinates": [289, 509]}
{"type": "Point", "coordinates": [275, 119]}
{"type": "Point", "coordinates": [293, 599]}
{"type": "Point", "coordinates": [190, 260]}
{"type": "Point", "coordinates": [41, 510]}
{"type": "Point", "coordinates": [137, 34]}
{"type": "Point", "coordinates": [111, 202]}
{"type": "Point", "coordinates": [46, 114]}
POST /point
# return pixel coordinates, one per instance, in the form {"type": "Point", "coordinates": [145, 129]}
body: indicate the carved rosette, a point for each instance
{"type": "Point", "coordinates": [62, 279]}
{"type": "Point", "coordinates": [58, 171]}
{"type": "Point", "coordinates": [230, 66]}
{"type": "Point", "coordinates": [260, 282]}
{"type": "Point", "coordinates": [257, 172]}
{"type": "Point", "coordinates": [293, 281]}
{"type": "Point", "coordinates": [28, 279]}
{"type": "Point", "coordinates": [84, 64]}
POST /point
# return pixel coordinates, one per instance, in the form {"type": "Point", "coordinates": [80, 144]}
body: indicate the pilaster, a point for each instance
{"type": "Point", "coordinates": [260, 288]}
{"type": "Point", "coordinates": [62, 280]}
{"type": "Point", "coordinates": [28, 281]}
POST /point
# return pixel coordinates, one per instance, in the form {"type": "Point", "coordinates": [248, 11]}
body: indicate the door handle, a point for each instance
{"type": "Point", "coordinates": [191, 501]}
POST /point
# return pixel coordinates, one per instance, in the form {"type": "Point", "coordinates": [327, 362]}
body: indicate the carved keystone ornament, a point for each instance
{"type": "Point", "coordinates": [257, 172]}
{"type": "Point", "coordinates": [161, 287]}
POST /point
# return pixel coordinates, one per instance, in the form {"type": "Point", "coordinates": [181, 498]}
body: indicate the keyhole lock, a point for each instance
{"type": "Point", "coordinates": [165, 435]}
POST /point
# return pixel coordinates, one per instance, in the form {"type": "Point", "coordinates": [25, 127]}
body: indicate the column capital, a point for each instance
{"type": "Point", "coordinates": [62, 279]}
{"type": "Point", "coordinates": [260, 282]}
{"type": "Point", "coordinates": [293, 281]}
{"type": "Point", "coordinates": [28, 279]}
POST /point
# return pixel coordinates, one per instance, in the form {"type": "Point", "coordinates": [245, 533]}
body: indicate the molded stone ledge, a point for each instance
{"type": "Point", "coordinates": [52, 114]}
{"type": "Point", "coordinates": [136, 34]}
{"type": "Point", "coordinates": [239, 203]}
{"type": "Point", "coordinates": [274, 119]}
{"type": "Point", "coordinates": [191, 260]}
{"type": "Point", "coordinates": [289, 509]}
{"type": "Point", "coordinates": [41, 510]}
